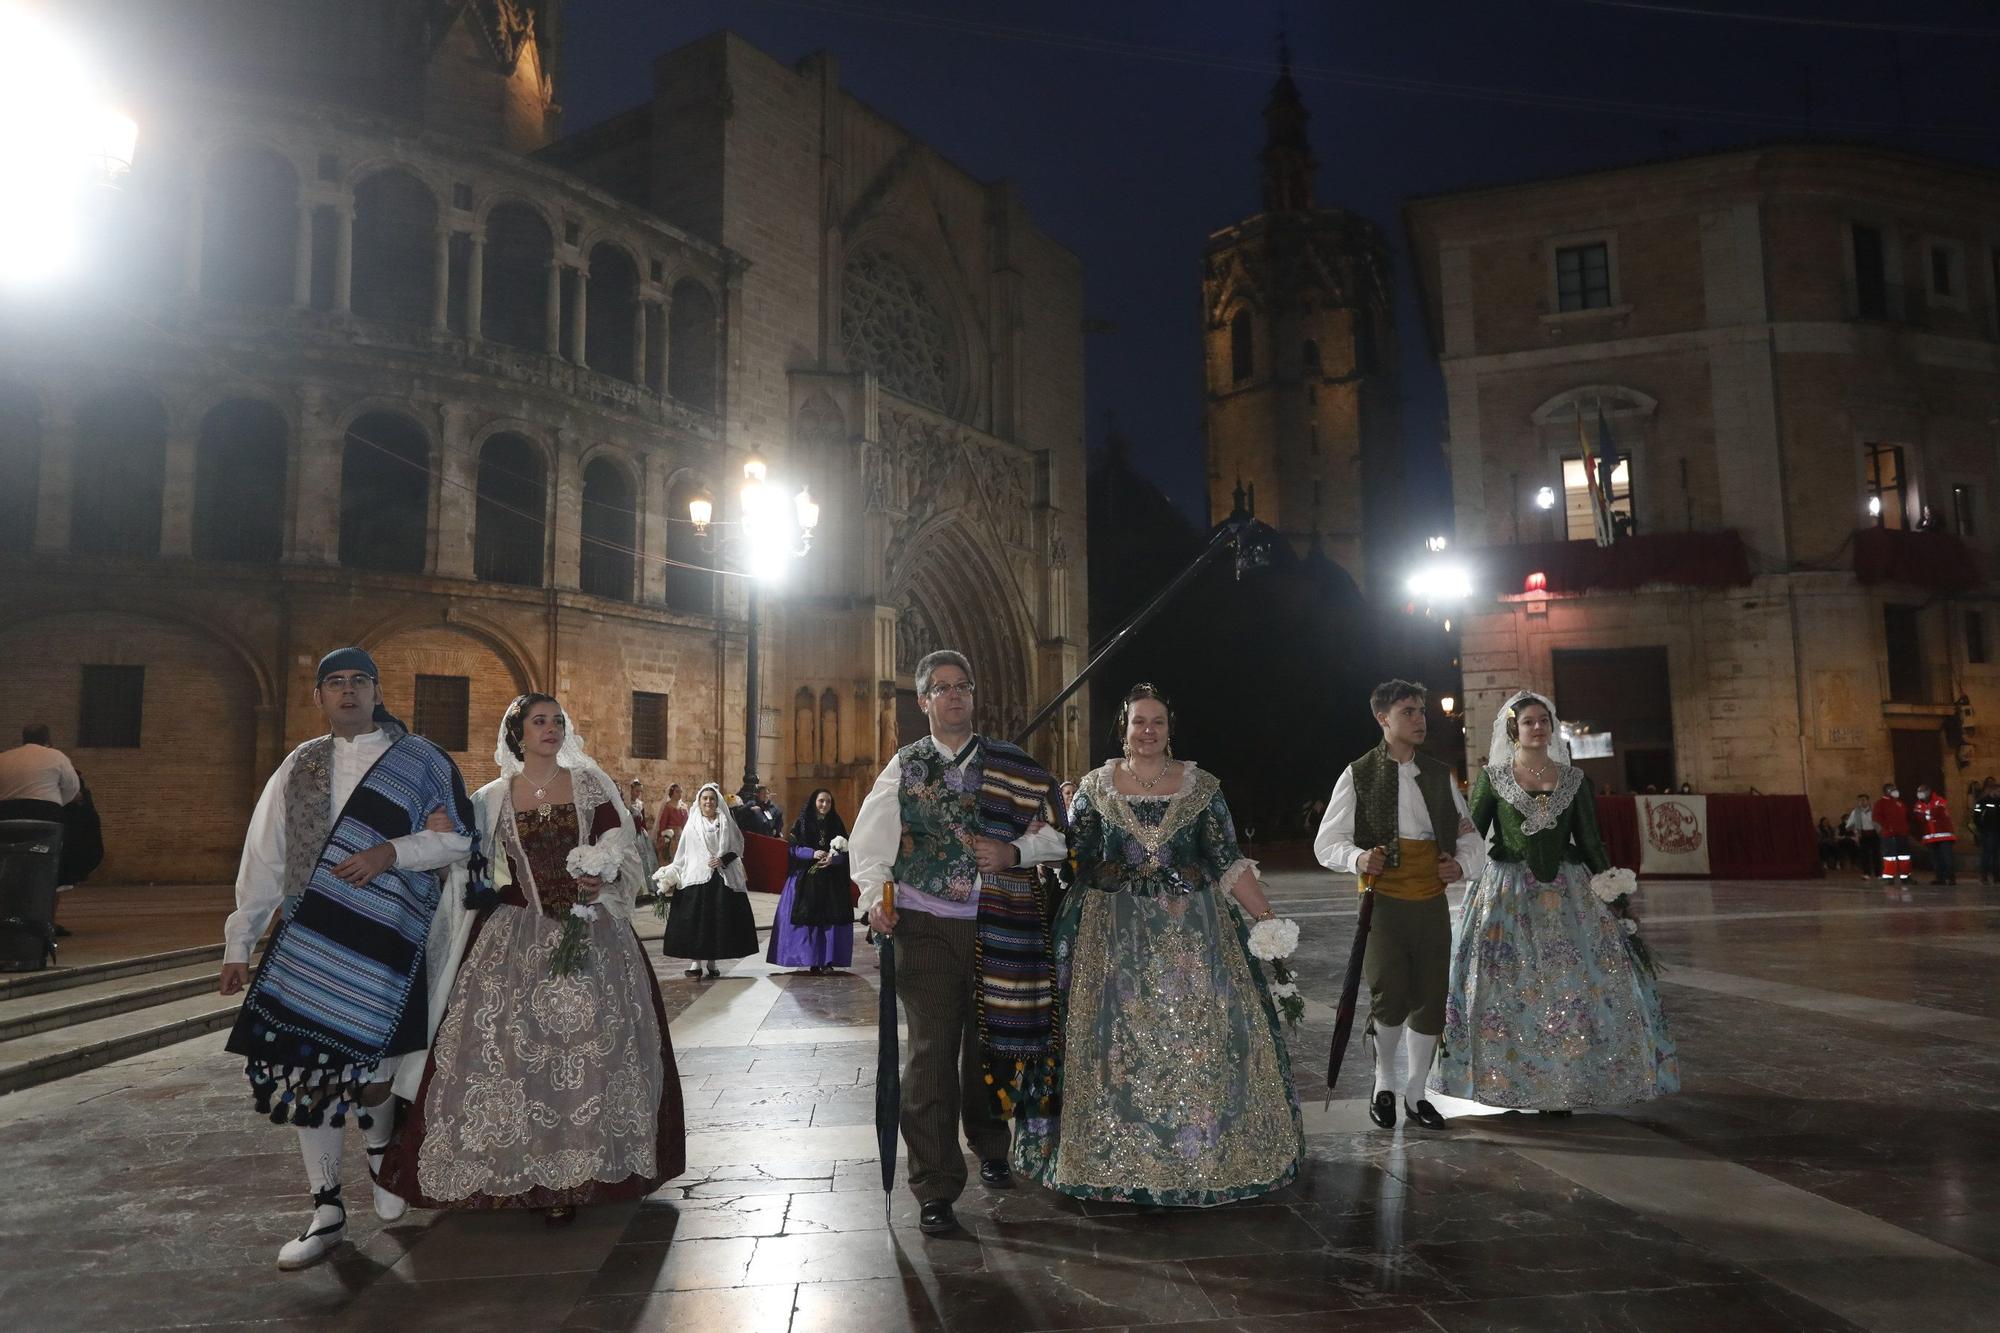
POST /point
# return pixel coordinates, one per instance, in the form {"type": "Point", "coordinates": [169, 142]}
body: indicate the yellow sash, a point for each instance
{"type": "Point", "coordinates": [1415, 878]}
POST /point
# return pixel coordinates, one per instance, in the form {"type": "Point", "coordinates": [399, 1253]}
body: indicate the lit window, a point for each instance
{"type": "Point", "coordinates": [1887, 503]}
{"type": "Point", "coordinates": [1580, 526]}
{"type": "Point", "coordinates": [1583, 277]}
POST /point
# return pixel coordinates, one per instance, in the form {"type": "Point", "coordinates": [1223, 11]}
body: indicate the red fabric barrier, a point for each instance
{"type": "Point", "coordinates": [1927, 559]}
{"type": "Point", "coordinates": [1749, 837]}
{"type": "Point", "coordinates": [765, 864]}
{"type": "Point", "coordinates": [1693, 559]}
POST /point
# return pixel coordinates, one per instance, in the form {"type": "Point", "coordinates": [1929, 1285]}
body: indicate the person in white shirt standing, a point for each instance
{"type": "Point", "coordinates": [980, 1002]}
{"type": "Point", "coordinates": [346, 842]}
{"type": "Point", "coordinates": [37, 781]}
{"type": "Point", "coordinates": [1392, 816]}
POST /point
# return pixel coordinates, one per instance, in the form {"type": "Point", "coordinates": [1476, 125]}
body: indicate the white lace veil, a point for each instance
{"type": "Point", "coordinates": [1500, 753]}
{"type": "Point", "coordinates": [570, 756]}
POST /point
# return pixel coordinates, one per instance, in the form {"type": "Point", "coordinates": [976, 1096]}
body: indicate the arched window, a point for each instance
{"type": "Point", "coordinates": [119, 475]}
{"type": "Point", "coordinates": [805, 729]}
{"type": "Point", "coordinates": [20, 469]}
{"type": "Point", "coordinates": [519, 249]}
{"type": "Point", "coordinates": [892, 323]}
{"type": "Point", "coordinates": [385, 494]}
{"type": "Point", "coordinates": [611, 305]}
{"type": "Point", "coordinates": [693, 343]}
{"type": "Point", "coordinates": [1242, 347]}
{"type": "Point", "coordinates": [395, 248]}
{"type": "Point", "coordinates": [610, 528]}
{"type": "Point", "coordinates": [1309, 359]}
{"type": "Point", "coordinates": [239, 483]}
{"type": "Point", "coordinates": [249, 219]}
{"type": "Point", "coordinates": [509, 535]}
{"type": "Point", "coordinates": [688, 589]}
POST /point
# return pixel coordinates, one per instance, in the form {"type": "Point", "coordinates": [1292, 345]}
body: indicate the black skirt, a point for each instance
{"type": "Point", "coordinates": [710, 920]}
{"type": "Point", "coordinates": [823, 898]}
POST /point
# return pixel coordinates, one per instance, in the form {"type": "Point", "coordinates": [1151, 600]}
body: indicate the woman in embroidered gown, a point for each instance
{"type": "Point", "coordinates": [815, 924]}
{"type": "Point", "coordinates": [1176, 1087]}
{"type": "Point", "coordinates": [1547, 1009]}
{"type": "Point", "coordinates": [710, 918]}
{"type": "Point", "coordinates": [546, 1091]}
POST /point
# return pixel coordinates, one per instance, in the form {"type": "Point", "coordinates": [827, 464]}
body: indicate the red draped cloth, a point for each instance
{"type": "Point", "coordinates": [1749, 837]}
{"type": "Point", "coordinates": [766, 863]}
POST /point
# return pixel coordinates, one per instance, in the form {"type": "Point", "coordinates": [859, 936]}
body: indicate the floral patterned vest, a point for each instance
{"type": "Point", "coordinates": [939, 803]}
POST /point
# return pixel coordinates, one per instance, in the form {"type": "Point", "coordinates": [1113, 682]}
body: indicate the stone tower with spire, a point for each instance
{"type": "Point", "coordinates": [1300, 344]}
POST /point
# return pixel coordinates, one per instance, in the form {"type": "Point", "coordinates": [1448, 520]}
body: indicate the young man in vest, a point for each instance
{"type": "Point", "coordinates": [1397, 822]}
{"type": "Point", "coordinates": [359, 838]}
{"type": "Point", "coordinates": [958, 821]}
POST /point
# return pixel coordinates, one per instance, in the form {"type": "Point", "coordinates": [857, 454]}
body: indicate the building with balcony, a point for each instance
{"type": "Point", "coordinates": [366, 352]}
{"type": "Point", "coordinates": [1794, 353]}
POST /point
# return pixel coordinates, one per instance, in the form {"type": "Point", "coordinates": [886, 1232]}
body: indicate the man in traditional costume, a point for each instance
{"type": "Point", "coordinates": [1392, 816]}
{"type": "Point", "coordinates": [348, 842]}
{"type": "Point", "coordinates": [958, 821]}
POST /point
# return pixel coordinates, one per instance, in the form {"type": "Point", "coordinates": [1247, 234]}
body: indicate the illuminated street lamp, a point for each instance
{"type": "Point", "coordinates": [61, 140]}
{"type": "Point", "coordinates": [1545, 498]}
{"type": "Point", "coordinates": [770, 535]}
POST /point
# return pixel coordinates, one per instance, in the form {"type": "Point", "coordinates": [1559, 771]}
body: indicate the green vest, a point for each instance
{"type": "Point", "coordinates": [939, 803]}
{"type": "Point", "coordinates": [1377, 821]}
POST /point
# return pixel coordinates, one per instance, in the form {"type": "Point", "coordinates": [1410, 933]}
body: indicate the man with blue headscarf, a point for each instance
{"type": "Point", "coordinates": [358, 839]}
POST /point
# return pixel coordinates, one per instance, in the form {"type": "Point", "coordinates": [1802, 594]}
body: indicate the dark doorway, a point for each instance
{"type": "Point", "coordinates": [1625, 693]}
{"type": "Point", "coordinates": [912, 723]}
{"type": "Point", "coordinates": [1903, 634]}
{"type": "Point", "coordinates": [1918, 755]}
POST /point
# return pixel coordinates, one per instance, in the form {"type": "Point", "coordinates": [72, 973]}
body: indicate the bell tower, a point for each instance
{"type": "Point", "coordinates": [1300, 345]}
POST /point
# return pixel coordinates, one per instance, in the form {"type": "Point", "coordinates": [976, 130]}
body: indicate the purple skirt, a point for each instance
{"type": "Point", "coordinates": [807, 946]}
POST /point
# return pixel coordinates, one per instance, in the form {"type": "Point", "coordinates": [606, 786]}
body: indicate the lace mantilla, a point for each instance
{"type": "Point", "coordinates": [1540, 811]}
{"type": "Point", "coordinates": [1198, 788]}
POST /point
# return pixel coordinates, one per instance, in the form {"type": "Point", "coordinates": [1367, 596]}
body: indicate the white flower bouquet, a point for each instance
{"type": "Point", "coordinates": [1271, 942]}
{"type": "Point", "coordinates": [599, 860]}
{"type": "Point", "coordinates": [1614, 888]}
{"type": "Point", "coordinates": [839, 844]}
{"type": "Point", "coordinates": [665, 880]}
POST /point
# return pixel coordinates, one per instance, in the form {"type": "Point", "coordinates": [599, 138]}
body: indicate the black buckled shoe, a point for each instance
{"type": "Point", "coordinates": [936, 1218]}
{"type": "Point", "coordinates": [1382, 1110]}
{"type": "Point", "coordinates": [1423, 1113]}
{"type": "Point", "coordinates": [996, 1174]}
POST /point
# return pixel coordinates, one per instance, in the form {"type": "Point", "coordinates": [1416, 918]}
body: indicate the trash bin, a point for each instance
{"type": "Point", "coordinates": [30, 855]}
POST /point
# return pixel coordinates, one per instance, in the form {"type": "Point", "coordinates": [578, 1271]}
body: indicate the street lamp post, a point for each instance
{"type": "Point", "coordinates": [769, 536]}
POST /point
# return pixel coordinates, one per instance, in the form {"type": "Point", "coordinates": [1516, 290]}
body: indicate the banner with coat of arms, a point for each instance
{"type": "Point", "coordinates": [1673, 835]}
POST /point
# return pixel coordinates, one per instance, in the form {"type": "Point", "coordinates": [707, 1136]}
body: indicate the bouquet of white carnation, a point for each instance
{"type": "Point", "coordinates": [665, 880]}
{"type": "Point", "coordinates": [839, 844]}
{"type": "Point", "coordinates": [1271, 942]}
{"type": "Point", "coordinates": [599, 859]}
{"type": "Point", "coordinates": [1614, 888]}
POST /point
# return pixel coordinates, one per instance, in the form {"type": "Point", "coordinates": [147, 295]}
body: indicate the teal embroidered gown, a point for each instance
{"type": "Point", "coordinates": [1176, 1087]}
{"type": "Point", "coordinates": [1547, 1010]}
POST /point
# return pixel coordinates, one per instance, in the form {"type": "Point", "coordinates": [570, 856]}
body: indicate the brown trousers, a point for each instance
{"type": "Point", "coordinates": [944, 1085]}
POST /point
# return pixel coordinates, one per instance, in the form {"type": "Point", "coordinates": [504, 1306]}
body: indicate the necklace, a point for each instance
{"type": "Point", "coordinates": [543, 808]}
{"type": "Point", "coordinates": [1133, 773]}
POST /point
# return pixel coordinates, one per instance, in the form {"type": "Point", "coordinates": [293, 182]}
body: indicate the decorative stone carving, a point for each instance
{"type": "Point", "coordinates": [916, 634]}
{"type": "Point", "coordinates": [892, 324]}
{"type": "Point", "coordinates": [820, 424]}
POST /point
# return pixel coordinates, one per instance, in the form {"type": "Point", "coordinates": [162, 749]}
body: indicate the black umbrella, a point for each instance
{"type": "Point", "coordinates": [888, 1059]}
{"type": "Point", "coordinates": [1350, 991]}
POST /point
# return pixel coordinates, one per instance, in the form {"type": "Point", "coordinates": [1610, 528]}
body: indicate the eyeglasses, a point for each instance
{"type": "Point", "coordinates": [963, 689]}
{"type": "Point", "coordinates": [353, 682]}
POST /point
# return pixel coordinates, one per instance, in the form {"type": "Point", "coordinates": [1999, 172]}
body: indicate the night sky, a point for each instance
{"type": "Point", "coordinates": [1133, 126]}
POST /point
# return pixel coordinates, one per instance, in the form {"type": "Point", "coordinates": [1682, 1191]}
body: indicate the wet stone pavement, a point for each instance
{"type": "Point", "coordinates": [1830, 1165]}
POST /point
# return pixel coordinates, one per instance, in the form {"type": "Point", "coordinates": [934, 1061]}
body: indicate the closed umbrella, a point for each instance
{"type": "Point", "coordinates": [888, 1060]}
{"type": "Point", "coordinates": [1350, 990]}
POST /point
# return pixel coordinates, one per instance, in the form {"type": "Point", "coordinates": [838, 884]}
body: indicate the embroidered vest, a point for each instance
{"type": "Point", "coordinates": [308, 814]}
{"type": "Point", "coordinates": [939, 803]}
{"type": "Point", "coordinates": [1377, 821]}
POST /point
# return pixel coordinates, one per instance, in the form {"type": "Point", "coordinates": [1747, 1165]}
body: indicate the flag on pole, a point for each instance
{"type": "Point", "coordinates": [1597, 475]}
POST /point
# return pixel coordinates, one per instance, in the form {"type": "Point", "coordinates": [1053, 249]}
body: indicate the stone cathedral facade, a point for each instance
{"type": "Point", "coordinates": [1299, 332]}
{"type": "Point", "coordinates": [370, 352]}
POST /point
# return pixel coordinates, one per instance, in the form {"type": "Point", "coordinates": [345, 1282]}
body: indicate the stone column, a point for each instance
{"type": "Point", "coordinates": [343, 257]}
{"type": "Point", "coordinates": [639, 344]}
{"type": "Point", "coordinates": [654, 520]}
{"type": "Point", "coordinates": [302, 257]}
{"type": "Point", "coordinates": [475, 286]}
{"type": "Point", "coordinates": [567, 483]}
{"type": "Point", "coordinates": [579, 310]}
{"type": "Point", "coordinates": [52, 495]}
{"type": "Point", "coordinates": [456, 508]}
{"type": "Point", "coordinates": [441, 285]}
{"type": "Point", "coordinates": [660, 349]}
{"type": "Point", "coordinates": [191, 260]}
{"type": "Point", "coordinates": [315, 535]}
{"type": "Point", "coordinates": [177, 495]}
{"type": "Point", "coordinates": [552, 313]}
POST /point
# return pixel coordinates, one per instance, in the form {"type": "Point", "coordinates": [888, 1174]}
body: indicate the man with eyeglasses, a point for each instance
{"type": "Point", "coordinates": [347, 843]}
{"type": "Point", "coordinates": [958, 821]}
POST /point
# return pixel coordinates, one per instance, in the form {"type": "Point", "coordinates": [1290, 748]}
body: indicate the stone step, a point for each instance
{"type": "Point", "coordinates": [44, 1011]}
{"type": "Point", "coordinates": [43, 1057]}
{"type": "Point", "coordinates": [62, 978]}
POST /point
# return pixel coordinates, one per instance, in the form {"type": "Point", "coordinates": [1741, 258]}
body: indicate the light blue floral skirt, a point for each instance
{"type": "Point", "coordinates": [1547, 1009]}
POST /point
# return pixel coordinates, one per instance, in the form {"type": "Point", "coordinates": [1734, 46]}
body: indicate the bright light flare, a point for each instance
{"type": "Point", "coordinates": [60, 136]}
{"type": "Point", "coordinates": [1441, 581]}
{"type": "Point", "coordinates": [1545, 498]}
{"type": "Point", "coordinates": [1874, 506]}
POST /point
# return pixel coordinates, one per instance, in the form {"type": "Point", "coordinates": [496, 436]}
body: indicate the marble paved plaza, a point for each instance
{"type": "Point", "coordinates": [1830, 1165]}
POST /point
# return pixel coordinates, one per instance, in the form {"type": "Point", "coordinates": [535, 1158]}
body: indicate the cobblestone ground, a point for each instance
{"type": "Point", "coordinates": [1830, 1165]}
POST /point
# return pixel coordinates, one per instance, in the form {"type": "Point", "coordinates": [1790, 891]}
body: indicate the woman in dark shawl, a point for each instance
{"type": "Point", "coordinates": [815, 924]}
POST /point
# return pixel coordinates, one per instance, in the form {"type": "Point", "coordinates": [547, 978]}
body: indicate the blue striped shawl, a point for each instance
{"type": "Point", "coordinates": [1015, 992]}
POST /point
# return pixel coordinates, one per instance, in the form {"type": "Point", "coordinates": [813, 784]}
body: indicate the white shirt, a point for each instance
{"type": "Point", "coordinates": [877, 837]}
{"type": "Point", "coordinates": [1861, 819]}
{"type": "Point", "coordinates": [1334, 845]}
{"type": "Point", "coordinates": [37, 773]}
{"type": "Point", "coordinates": [260, 880]}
